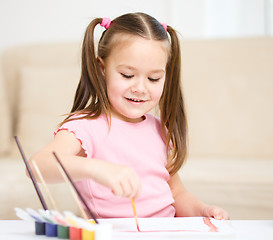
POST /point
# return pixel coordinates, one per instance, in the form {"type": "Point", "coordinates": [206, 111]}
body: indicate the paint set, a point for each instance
{"type": "Point", "coordinates": [51, 223]}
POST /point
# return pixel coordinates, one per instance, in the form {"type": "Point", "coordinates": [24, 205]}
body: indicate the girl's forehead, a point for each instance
{"type": "Point", "coordinates": [138, 53]}
{"type": "Point", "coordinates": [123, 41]}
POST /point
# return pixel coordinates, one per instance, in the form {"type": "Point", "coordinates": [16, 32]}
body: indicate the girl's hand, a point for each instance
{"type": "Point", "coordinates": [215, 212]}
{"type": "Point", "coordinates": [122, 180]}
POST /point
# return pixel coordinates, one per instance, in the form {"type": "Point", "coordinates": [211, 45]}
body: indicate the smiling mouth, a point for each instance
{"type": "Point", "coordinates": [135, 100]}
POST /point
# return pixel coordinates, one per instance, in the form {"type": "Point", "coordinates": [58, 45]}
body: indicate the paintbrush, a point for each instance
{"type": "Point", "coordinates": [75, 188]}
{"type": "Point", "coordinates": [31, 175]}
{"type": "Point", "coordinates": [135, 214]}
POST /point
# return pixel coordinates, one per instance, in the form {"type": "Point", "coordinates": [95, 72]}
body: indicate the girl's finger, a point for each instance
{"type": "Point", "coordinates": [117, 190]}
{"type": "Point", "coordinates": [127, 188]}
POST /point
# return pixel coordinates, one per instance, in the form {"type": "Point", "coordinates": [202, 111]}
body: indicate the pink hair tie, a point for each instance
{"type": "Point", "coordinates": [165, 26]}
{"type": "Point", "coordinates": [106, 22]}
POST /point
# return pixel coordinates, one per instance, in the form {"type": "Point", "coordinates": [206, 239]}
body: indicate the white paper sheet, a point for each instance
{"type": "Point", "coordinates": [166, 228]}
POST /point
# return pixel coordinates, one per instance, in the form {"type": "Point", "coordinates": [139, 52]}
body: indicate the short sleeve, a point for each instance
{"type": "Point", "coordinates": [79, 128]}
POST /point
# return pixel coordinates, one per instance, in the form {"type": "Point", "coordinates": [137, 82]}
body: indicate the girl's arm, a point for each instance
{"type": "Point", "coordinates": [121, 179]}
{"type": "Point", "coordinates": [187, 205]}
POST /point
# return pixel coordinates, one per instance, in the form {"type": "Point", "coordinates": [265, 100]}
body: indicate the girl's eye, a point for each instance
{"type": "Point", "coordinates": [126, 76]}
{"type": "Point", "coordinates": [153, 79]}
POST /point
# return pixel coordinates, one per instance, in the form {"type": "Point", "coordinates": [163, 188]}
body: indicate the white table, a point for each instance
{"type": "Point", "coordinates": [244, 230]}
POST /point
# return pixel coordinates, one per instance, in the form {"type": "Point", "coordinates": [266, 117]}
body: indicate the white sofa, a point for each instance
{"type": "Point", "coordinates": [227, 84]}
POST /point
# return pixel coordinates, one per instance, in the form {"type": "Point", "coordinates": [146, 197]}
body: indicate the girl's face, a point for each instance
{"type": "Point", "coordinates": [135, 75]}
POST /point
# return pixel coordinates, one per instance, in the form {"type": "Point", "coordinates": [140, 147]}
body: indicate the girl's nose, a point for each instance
{"type": "Point", "coordinates": [139, 86]}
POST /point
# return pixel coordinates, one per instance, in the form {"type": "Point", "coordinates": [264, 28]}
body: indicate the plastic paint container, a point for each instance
{"type": "Point", "coordinates": [51, 229]}
{"type": "Point", "coordinates": [63, 232]}
{"type": "Point", "coordinates": [39, 228]}
{"type": "Point", "coordinates": [88, 235]}
{"type": "Point", "coordinates": [75, 233]}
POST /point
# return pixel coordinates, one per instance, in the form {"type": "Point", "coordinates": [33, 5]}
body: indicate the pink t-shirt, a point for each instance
{"type": "Point", "coordinates": [138, 145]}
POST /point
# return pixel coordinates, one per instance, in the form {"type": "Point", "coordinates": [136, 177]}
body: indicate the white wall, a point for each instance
{"type": "Point", "coordinates": [222, 18]}
{"type": "Point", "coordinates": [24, 21]}
{"type": "Point", "coordinates": [31, 21]}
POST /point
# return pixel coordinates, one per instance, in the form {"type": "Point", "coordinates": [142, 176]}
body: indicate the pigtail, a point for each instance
{"type": "Point", "coordinates": [172, 108]}
{"type": "Point", "coordinates": [90, 97]}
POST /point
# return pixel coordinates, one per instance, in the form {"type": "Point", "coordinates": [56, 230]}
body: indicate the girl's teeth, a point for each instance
{"type": "Point", "coordinates": [135, 100]}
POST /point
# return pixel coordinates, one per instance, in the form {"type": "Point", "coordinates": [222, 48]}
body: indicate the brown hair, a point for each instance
{"type": "Point", "coordinates": [91, 95]}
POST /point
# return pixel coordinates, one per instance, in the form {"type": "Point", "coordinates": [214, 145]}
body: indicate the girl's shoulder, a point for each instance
{"type": "Point", "coordinates": [83, 121]}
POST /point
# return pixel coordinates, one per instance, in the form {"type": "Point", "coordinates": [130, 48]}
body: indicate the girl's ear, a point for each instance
{"type": "Point", "coordinates": [101, 65]}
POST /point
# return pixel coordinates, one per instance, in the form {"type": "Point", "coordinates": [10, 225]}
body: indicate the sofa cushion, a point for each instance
{"type": "Point", "coordinates": [228, 92]}
{"type": "Point", "coordinates": [5, 119]}
{"type": "Point", "coordinates": [46, 93]}
{"type": "Point", "coordinates": [63, 54]}
{"type": "Point", "coordinates": [243, 187]}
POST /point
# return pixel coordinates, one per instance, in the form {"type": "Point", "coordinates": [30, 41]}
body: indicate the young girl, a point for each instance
{"type": "Point", "coordinates": [111, 146]}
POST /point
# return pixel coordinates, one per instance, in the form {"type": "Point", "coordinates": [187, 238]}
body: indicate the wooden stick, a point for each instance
{"type": "Point", "coordinates": [74, 194]}
{"type": "Point", "coordinates": [31, 175]}
{"type": "Point", "coordinates": [75, 188]}
{"type": "Point", "coordinates": [45, 186]}
{"type": "Point", "coordinates": [135, 214]}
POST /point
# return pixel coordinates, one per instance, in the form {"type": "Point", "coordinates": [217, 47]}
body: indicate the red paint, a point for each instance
{"type": "Point", "coordinates": [153, 231]}
{"type": "Point", "coordinates": [212, 227]}
{"type": "Point", "coordinates": [75, 233]}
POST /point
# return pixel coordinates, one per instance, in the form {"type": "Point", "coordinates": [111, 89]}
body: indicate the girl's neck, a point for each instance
{"type": "Point", "coordinates": [130, 120]}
